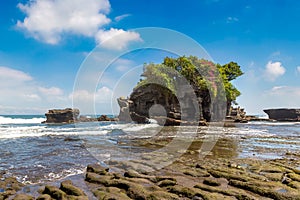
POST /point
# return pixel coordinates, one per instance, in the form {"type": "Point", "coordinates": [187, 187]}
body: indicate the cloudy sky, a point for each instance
{"type": "Point", "coordinates": [47, 48]}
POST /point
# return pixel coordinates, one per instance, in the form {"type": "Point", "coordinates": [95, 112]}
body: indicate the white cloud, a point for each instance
{"type": "Point", "coordinates": [274, 70]}
{"type": "Point", "coordinates": [121, 17]}
{"type": "Point", "coordinates": [298, 69]}
{"type": "Point", "coordinates": [285, 91]}
{"type": "Point", "coordinates": [116, 39]}
{"type": "Point", "coordinates": [52, 91]}
{"type": "Point", "coordinates": [102, 95]}
{"type": "Point", "coordinates": [32, 97]}
{"type": "Point", "coordinates": [20, 93]}
{"type": "Point", "coordinates": [90, 102]}
{"type": "Point", "coordinates": [275, 54]}
{"type": "Point", "coordinates": [279, 96]}
{"type": "Point", "coordinates": [231, 20]}
{"type": "Point", "coordinates": [275, 89]}
{"type": "Point", "coordinates": [123, 65]}
{"type": "Point", "coordinates": [47, 20]}
{"type": "Point", "coordinates": [283, 96]}
{"type": "Point", "coordinates": [12, 74]}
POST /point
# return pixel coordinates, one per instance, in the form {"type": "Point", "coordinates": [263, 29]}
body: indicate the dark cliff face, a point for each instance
{"type": "Point", "coordinates": [156, 102]}
{"type": "Point", "coordinates": [145, 97]}
{"type": "Point", "coordinates": [284, 114]}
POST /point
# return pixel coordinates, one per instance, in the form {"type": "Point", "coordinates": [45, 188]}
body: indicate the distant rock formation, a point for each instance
{"type": "Point", "coordinates": [67, 115]}
{"type": "Point", "coordinates": [102, 118]}
{"type": "Point", "coordinates": [237, 115]}
{"type": "Point", "coordinates": [105, 118]}
{"type": "Point", "coordinates": [124, 115]}
{"type": "Point", "coordinates": [283, 114]}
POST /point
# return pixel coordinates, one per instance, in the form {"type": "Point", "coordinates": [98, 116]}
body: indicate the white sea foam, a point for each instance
{"type": "Point", "coordinates": [276, 123]}
{"type": "Point", "coordinates": [129, 127]}
{"type": "Point", "coordinates": [139, 127]}
{"type": "Point", "coordinates": [8, 120]}
{"type": "Point", "coordinates": [254, 132]}
{"type": "Point", "coordinates": [38, 131]}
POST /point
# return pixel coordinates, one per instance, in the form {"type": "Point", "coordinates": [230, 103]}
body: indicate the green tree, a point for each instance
{"type": "Point", "coordinates": [209, 80]}
{"type": "Point", "coordinates": [229, 72]}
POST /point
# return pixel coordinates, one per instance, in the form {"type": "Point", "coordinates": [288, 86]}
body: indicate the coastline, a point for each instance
{"type": "Point", "coordinates": [219, 175]}
{"type": "Point", "coordinates": [245, 157]}
{"type": "Point", "coordinates": [187, 178]}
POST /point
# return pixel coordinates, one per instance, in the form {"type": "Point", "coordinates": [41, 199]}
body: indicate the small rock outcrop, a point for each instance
{"type": "Point", "coordinates": [105, 118]}
{"type": "Point", "coordinates": [124, 115]}
{"type": "Point", "coordinates": [237, 115]}
{"type": "Point", "coordinates": [66, 191]}
{"type": "Point", "coordinates": [67, 115]}
{"type": "Point", "coordinates": [283, 114]}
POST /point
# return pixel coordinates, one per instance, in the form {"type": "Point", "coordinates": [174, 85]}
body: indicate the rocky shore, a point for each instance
{"type": "Point", "coordinates": [184, 179]}
{"type": "Point", "coordinates": [189, 177]}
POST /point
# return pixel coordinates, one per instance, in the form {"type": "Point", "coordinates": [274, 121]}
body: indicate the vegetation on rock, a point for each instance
{"type": "Point", "coordinates": [211, 82]}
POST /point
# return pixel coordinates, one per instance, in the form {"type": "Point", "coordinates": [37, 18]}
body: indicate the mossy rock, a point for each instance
{"type": "Point", "coordinates": [44, 197]}
{"type": "Point", "coordinates": [297, 171]}
{"type": "Point", "coordinates": [268, 189]}
{"type": "Point", "coordinates": [137, 192]}
{"type": "Point", "coordinates": [211, 182]}
{"type": "Point", "coordinates": [294, 176]}
{"type": "Point", "coordinates": [271, 169]}
{"type": "Point", "coordinates": [157, 179]}
{"type": "Point", "coordinates": [98, 179]}
{"type": "Point", "coordinates": [228, 176]}
{"type": "Point", "coordinates": [162, 195]}
{"type": "Point", "coordinates": [192, 173]}
{"type": "Point", "coordinates": [70, 189]}
{"type": "Point", "coordinates": [294, 184]}
{"type": "Point", "coordinates": [70, 197]}
{"type": "Point", "coordinates": [111, 193]}
{"type": "Point", "coordinates": [55, 193]}
{"type": "Point", "coordinates": [132, 174]}
{"type": "Point", "coordinates": [274, 176]}
{"type": "Point", "coordinates": [97, 169]}
{"type": "Point", "coordinates": [166, 183]}
{"type": "Point", "coordinates": [182, 191]}
{"type": "Point", "coordinates": [23, 197]}
{"type": "Point", "coordinates": [237, 193]}
{"type": "Point", "coordinates": [7, 193]}
{"type": "Point", "coordinates": [10, 183]}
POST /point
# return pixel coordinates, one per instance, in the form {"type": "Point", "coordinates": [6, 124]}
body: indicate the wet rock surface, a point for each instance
{"type": "Point", "coordinates": [187, 178]}
{"type": "Point", "coordinates": [8, 186]}
{"type": "Point", "coordinates": [190, 178]}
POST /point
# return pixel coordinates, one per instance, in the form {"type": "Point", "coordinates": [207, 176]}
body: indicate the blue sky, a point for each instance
{"type": "Point", "coordinates": [45, 42]}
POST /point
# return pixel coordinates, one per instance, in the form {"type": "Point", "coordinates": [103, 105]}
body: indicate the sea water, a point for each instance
{"type": "Point", "coordinates": [36, 152]}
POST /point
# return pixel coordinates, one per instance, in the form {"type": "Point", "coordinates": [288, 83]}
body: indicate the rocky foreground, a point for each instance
{"type": "Point", "coordinates": [187, 178]}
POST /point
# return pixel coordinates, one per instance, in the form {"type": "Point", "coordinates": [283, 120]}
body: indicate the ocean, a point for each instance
{"type": "Point", "coordinates": [38, 153]}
